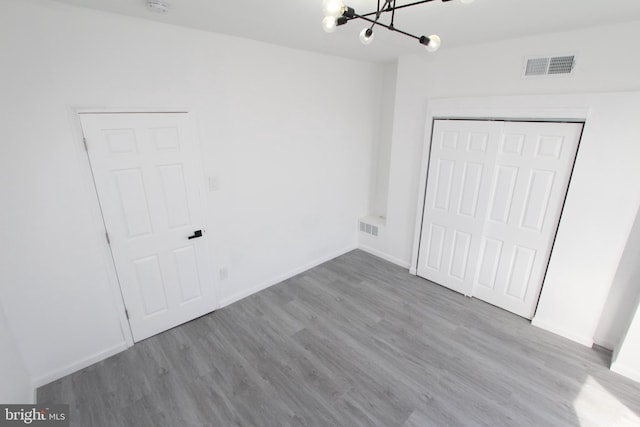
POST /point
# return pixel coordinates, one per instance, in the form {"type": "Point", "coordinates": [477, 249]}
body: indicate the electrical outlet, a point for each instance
{"type": "Point", "coordinates": [224, 273]}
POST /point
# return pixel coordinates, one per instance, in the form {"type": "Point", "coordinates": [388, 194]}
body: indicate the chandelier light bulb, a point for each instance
{"type": "Point", "coordinates": [329, 24]}
{"type": "Point", "coordinates": [366, 36]}
{"type": "Point", "coordinates": [333, 8]}
{"type": "Point", "coordinates": [434, 43]}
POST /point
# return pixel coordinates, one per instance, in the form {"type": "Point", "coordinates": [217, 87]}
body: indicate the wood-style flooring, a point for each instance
{"type": "Point", "coordinates": [356, 341]}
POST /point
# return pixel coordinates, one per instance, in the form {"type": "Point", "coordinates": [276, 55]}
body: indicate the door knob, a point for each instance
{"type": "Point", "coordinates": [196, 234]}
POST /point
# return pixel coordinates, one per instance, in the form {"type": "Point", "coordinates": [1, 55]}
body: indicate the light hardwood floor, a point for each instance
{"type": "Point", "coordinates": [356, 341]}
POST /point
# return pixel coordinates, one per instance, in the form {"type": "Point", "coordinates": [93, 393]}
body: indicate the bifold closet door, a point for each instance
{"type": "Point", "coordinates": [461, 164]}
{"type": "Point", "coordinates": [494, 196]}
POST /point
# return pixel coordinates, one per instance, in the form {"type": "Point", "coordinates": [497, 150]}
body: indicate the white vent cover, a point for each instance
{"type": "Point", "coordinates": [369, 228]}
{"type": "Point", "coordinates": [549, 65]}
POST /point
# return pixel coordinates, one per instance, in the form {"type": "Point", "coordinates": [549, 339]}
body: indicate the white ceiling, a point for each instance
{"type": "Point", "coordinates": [296, 23]}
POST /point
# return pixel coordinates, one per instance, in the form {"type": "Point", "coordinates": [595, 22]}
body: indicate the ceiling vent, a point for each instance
{"type": "Point", "coordinates": [549, 66]}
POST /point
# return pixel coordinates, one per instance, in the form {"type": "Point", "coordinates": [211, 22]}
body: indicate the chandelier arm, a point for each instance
{"type": "Point", "coordinates": [402, 6]}
{"type": "Point", "coordinates": [388, 27]}
{"type": "Point", "coordinates": [393, 13]}
{"type": "Point", "coordinates": [385, 7]}
{"type": "Point", "coordinates": [403, 32]}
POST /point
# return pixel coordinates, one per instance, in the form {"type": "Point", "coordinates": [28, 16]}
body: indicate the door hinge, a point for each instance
{"type": "Point", "coordinates": [84, 141]}
{"type": "Point", "coordinates": [126, 313]}
{"type": "Point", "coordinates": [108, 239]}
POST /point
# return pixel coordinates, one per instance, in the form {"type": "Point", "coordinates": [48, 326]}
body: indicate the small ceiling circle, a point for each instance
{"type": "Point", "coordinates": [157, 6]}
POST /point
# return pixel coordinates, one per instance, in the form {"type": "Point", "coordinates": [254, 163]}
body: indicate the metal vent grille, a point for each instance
{"type": "Point", "coordinates": [561, 64]}
{"type": "Point", "coordinates": [537, 67]}
{"type": "Point", "coordinates": [368, 228]}
{"type": "Point", "coordinates": [555, 65]}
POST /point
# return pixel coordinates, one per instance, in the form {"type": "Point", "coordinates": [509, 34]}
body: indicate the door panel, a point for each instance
{"type": "Point", "coordinates": [537, 199]}
{"type": "Point", "coordinates": [460, 254]}
{"type": "Point", "coordinates": [472, 178]}
{"type": "Point", "coordinates": [489, 262]}
{"type": "Point", "coordinates": [444, 185]}
{"type": "Point", "coordinates": [503, 191]}
{"type": "Point", "coordinates": [543, 156]}
{"type": "Point", "coordinates": [187, 269]}
{"type": "Point", "coordinates": [494, 195]}
{"type": "Point", "coordinates": [148, 180]}
{"type": "Point", "coordinates": [149, 282]}
{"type": "Point", "coordinates": [133, 200]}
{"type": "Point", "coordinates": [456, 201]}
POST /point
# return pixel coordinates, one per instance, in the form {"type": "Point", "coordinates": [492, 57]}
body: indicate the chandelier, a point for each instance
{"type": "Point", "coordinates": [336, 14]}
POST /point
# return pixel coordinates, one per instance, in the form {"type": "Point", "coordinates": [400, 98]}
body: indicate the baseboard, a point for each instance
{"type": "Point", "coordinates": [81, 364]}
{"type": "Point", "coordinates": [76, 366]}
{"type": "Point", "coordinates": [264, 285]}
{"type": "Point", "coordinates": [626, 371]}
{"type": "Point", "coordinates": [602, 342]}
{"type": "Point", "coordinates": [384, 256]}
{"type": "Point", "coordinates": [586, 341]}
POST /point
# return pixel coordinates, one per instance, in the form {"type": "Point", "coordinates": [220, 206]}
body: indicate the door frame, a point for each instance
{"type": "Point", "coordinates": [99, 229]}
{"type": "Point", "coordinates": [487, 108]}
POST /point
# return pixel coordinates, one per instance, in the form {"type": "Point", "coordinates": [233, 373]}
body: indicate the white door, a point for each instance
{"type": "Point", "coordinates": [148, 178]}
{"type": "Point", "coordinates": [504, 184]}
{"type": "Point", "coordinates": [456, 200]}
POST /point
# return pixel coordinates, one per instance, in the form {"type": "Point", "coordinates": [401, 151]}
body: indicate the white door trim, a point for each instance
{"type": "Point", "coordinates": [99, 234]}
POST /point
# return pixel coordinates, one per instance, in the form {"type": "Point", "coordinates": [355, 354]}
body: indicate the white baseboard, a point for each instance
{"type": "Point", "coordinates": [384, 256]}
{"type": "Point", "coordinates": [586, 341]}
{"type": "Point", "coordinates": [626, 371]}
{"type": "Point", "coordinates": [603, 342]}
{"type": "Point", "coordinates": [80, 364]}
{"type": "Point", "coordinates": [255, 289]}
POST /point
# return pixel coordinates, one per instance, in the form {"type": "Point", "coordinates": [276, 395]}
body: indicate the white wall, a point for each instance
{"type": "Point", "coordinates": [495, 69]}
{"type": "Point", "coordinates": [16, 385]}
{"type": "Point", "coordinates": [292, 154]}
{"type": "Point", "coordinates": [382, 150]}
{"type": "Point", "coordinates": [625, 291]}
{"type": "Point", "coordinates": [626, 357]}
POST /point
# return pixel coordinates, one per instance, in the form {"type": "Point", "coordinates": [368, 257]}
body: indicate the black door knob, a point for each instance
{"type": "Point", "coordinates": [196, 234]}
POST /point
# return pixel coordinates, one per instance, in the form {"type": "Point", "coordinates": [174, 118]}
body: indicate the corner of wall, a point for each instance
{"type": "Point", "coordinates": [580, 339]}
{"type": "Point", "coordinates": [17, 385]}
{"type": "Point", "coordinates": [623, 294]}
